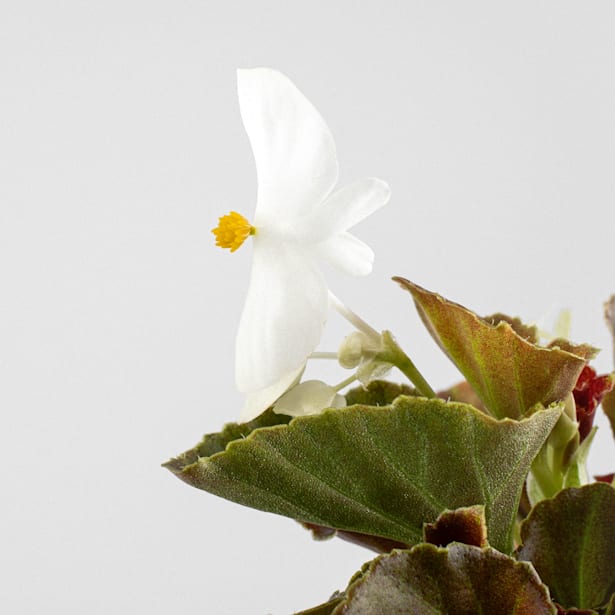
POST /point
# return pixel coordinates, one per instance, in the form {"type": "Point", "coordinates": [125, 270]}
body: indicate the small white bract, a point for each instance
{"type": "Point", "coordinates": [298, 221]}
{"type": "Point", "coordinates": [309, 397]}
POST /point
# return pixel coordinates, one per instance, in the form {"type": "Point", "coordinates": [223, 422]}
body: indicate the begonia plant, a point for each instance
{"type": "Point", "coordinates": [475, 499]}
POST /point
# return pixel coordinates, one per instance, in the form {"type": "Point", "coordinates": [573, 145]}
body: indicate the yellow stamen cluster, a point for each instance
{"type": "Point", "coordinates": [232, 231]}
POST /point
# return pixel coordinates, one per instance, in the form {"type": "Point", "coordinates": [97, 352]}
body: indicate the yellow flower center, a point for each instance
{"type": "Point", "coordinates": [232, 231]}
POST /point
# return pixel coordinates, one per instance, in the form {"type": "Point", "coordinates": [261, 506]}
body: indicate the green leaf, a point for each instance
{"type": "Point", "coordinates": [216, 442]}
{"type": "Point", "coordinates": [463, 392]}
{"type": "Point", "coordinates": [508, 372]}
{"type": "Point", "coordinates": [377, 393]}
{"type": "Point", "coordinates": [463, 579]}
{"type": "Point", "coordinates": [570, 540]}
{"type": "Point", "coordinates": [378, 470]}
{"type": "Point", "coordinates": [561, 461]}
{"type": "Point", "coordinates": [608, 406]}
{"type": "Point", "coordinates": [326, 608]}
{"type": "Point", "coordinates": [576, 473]}
{"type": "Point", "coordinates": [336, 599]}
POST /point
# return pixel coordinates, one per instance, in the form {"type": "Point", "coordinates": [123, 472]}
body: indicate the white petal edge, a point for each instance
{"type": "Point", "coordinates": [345, 208]}
{"type": "Point", "coordinates": [309, 397]}
{"type": "Point", "coordinates": [257, 402]}
{"type": "Point", "coordinates": [283, 317]}
{"type": "Point", "coordinates": [294, 151]}
{"type": "Point", "coordinates": [347, 253]}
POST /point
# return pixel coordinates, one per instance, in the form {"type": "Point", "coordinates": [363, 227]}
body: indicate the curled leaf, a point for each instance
{"type": "Point", "coordinates": [509, 373]}
{"type": "Point", "coordinates": [466, 525]}
{"type": "Point", "coordinates": [460, 579]}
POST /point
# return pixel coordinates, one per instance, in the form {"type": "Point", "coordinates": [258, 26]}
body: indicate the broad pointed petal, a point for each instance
{"type": "Point", "coordinates": [283, 317]}
{"type": "Point", "coordinates": [256, 403]}
{"type": "Point", "coordinates": [347, 253]}
{"type": "Point", "coordinates": [293, 148]}
{"type": "Point", "coordinates": [345, 208]}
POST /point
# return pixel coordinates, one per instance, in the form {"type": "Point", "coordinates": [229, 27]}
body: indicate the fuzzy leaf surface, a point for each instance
{"type": "Point", "coordinates": [570, 540]}
{"type": "Point", "coordinates": [509, 373]}
{"type": "Point", "coordinates": [460, 579]}
{"type": "Point", "coordinates": [326, 608]}
{"type": "Point", "coordinates": [377, 393]}
{"type": "Point", "coordinates": [382, 470]}
{"type": "Point", "coordinates": [216, 442]}
{"type": "Point", "coordinates": [608, 405]}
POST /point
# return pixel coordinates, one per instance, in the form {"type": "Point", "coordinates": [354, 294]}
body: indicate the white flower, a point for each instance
{"type": "Point", "coordinates": [298, 221]}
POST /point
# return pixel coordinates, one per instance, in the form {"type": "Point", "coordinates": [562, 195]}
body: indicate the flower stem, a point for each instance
{"type": "Point", "coordinates": [323, 355]}
{"type": "Point", "coordinates": [393, 354]}
{"type": "Point", "coordinates": [351, 317]}
{"type": "Point", "coordinates": [337, 388]}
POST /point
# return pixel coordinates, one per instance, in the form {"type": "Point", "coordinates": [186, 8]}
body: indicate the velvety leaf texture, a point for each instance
{"type": "Point", "coordinates": [326, 608]}
{"type": "Point", "coordinates": [608, 405]}
{"type": "Point", "coordinates": [377, 393]}
{"type": "Point", "coordinates": [570, 540]}
{"type": "Point", "coordinates": [216, 442]}
{"type": "Point", "coordinates": [508, 372]}
{"type": "Point", "coordinates": [459, 579]}
{"type": "Point", "coordinates": [379, 470]}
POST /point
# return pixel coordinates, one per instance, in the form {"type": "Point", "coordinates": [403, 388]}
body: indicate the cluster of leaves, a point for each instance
{"type": "Point", "coordinates": [477, 501]}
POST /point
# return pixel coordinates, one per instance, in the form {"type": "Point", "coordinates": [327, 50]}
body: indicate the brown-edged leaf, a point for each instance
{"type": "Point", "coordinates": [509, 373]}
{"type": "Point", "coordinates": [467, 525]}
{"type": "Point", "coordinates": [459, 579]}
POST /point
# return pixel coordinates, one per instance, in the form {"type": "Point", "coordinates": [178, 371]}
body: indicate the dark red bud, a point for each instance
{"type": "Point", "coordinates": [588, 393]}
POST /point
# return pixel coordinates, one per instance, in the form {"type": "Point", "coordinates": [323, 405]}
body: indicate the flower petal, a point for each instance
{"type": "Point", "coordinates": [258, 401]}
{"type": "Point", "coordinates": [345, 208]}
{"type": "Point", "coordinates": [347, 253]}
{"type": "Point", "coordinates": [309, 397]}
{"type": "Point", "coordinates": [283, 317]}
{"type": "Point", "coordinates": [293, 148]}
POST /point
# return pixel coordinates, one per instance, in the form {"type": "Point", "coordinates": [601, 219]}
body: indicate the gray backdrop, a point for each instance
{"type": "Point", "coordinates": [121, 144]}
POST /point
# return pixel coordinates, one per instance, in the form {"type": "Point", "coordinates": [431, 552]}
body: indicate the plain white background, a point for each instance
{"type": "Point", "coordinates": [121, 144]}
